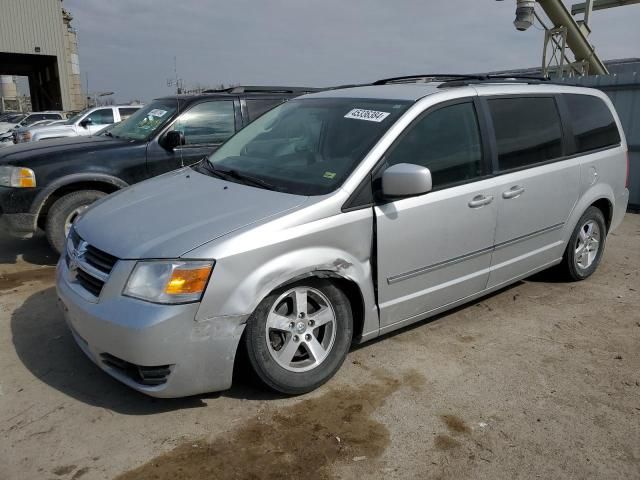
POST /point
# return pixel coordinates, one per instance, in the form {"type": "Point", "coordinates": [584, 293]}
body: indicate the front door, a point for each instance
{"type": "Point", "coordinates": [205, 126]}
{"type": "Point", "coordinates": [435, 249]}
{"type": "Point", "coordinates": [97, 120]}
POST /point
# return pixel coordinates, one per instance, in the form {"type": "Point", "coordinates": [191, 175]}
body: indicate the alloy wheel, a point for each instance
{"type": "Point", "coordinates": [301, 329]}
{"type": "Point", "coordinates": [587, 244]}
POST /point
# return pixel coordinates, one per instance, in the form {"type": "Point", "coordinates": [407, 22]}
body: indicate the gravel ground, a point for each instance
{"type": "Point", "coordinates": [541, 380]}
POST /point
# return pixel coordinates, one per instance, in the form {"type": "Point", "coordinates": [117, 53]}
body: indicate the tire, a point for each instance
{"type": "Point", "coordinates": [62, 212]}
{"type": "Point", "coordinates": [323, 334]}
{"type": "Point", "coordinates": [579, 262]}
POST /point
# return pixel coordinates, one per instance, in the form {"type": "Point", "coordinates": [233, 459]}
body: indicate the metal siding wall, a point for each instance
{"type": "Point", "coordinates": [624, 91]}
{"type": "Point", "coordinates": [25, 24]}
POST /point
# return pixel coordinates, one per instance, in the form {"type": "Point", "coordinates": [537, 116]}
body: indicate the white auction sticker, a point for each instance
{"type": "Point", "coordinates": [369, 115]}
{"type": "Point", "coordinates": [156, 112]}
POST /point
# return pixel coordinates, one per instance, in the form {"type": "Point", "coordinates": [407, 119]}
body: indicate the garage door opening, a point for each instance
{"type": "Point", "coordinates": [43, 79]}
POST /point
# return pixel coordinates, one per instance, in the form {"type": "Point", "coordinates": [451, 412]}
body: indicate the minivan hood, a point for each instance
{"type": "Point", "coordinates": [172, 214]}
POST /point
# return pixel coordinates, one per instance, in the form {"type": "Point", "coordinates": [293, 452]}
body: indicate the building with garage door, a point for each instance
{"type": "Point", "coordinates": [37, 41]}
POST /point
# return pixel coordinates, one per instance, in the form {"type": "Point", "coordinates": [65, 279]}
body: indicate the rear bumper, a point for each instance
{"type": "Point", "coordinates": [619, 209]}
{"type": "Point", "coordinates": [130, 339]}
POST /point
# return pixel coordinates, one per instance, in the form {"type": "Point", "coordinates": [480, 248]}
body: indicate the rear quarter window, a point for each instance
{"type": "Point", "coordinates": [593, 124]}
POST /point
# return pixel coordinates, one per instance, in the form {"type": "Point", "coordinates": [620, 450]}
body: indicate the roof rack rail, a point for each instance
{"type": "Point", "coordinates": [454, 79]}
{"type": "Point", "coordinates": [429, 77]}
{"type": "Point", "coordinates": [483, 79]}
{"type": "Point", "coordinates": [263, 89]}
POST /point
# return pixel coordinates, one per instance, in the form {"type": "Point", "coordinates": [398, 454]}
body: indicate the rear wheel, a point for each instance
{"type": "Point", "coordinates": [64, 212]}
{"type": "Point", "coordinates": [586, 246]}
{"type": "Point", "coordinates": [299, 336]}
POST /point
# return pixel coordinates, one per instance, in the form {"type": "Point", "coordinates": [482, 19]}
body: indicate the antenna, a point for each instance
{"type": "Point", "coordinates": [175, 71]}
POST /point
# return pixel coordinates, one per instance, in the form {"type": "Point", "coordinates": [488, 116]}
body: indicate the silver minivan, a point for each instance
{"type": "Point", "coordinates": [337, 217]}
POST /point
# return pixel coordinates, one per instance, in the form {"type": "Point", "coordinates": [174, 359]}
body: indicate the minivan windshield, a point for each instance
{"type": "Point", "coordinates": [143, 124]}
{"type": "Point", "coordinates": [306, 146]}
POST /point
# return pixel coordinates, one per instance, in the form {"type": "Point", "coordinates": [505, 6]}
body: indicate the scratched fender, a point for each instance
{"type": "Point", "coordinates": [252, 263]}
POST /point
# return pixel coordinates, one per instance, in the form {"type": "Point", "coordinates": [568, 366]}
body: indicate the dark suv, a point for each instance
{"type": "Point", "coordinates": [48, 184]}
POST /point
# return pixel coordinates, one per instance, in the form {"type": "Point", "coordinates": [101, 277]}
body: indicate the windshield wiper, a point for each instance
{"type": "Point", "coordinates": [236, 175]}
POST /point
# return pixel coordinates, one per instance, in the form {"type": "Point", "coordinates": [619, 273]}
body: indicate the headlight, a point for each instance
{"type": "Point", "coordinates": [18, 177]}
{"type": "Point", "coordinates": [171, 281]}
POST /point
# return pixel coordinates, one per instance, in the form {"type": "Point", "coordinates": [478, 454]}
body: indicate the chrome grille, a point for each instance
{"type": "Point", "coordinates": [99, 259]}
{"type": "Point", "coordinates": [89, 283]}
{"type": "Point", "coordinates": [90, 266]}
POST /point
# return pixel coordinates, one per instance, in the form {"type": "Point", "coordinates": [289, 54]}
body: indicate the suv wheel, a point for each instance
{"type": "Point", "coordinates": [299, 336]}
{"type": "Point", "coordinates": [586, 246]}
{"type": "Point", "coordinates": [64, 212]}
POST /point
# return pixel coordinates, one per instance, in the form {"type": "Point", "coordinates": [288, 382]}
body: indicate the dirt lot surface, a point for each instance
{"type": "Point", "coordinates": [541, 380]}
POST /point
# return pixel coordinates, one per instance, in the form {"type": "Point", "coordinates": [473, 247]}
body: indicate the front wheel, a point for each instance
{"type": "Point", "coordinates": [586, 245]}
{"type": "Point", "coordinates": [64, 212]}
{"type": "Point", "coordinates": [299, 336]}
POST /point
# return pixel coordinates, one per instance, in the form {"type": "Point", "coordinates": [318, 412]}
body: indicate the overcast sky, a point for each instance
{"type": "Point", "coordinates": [128, 47]}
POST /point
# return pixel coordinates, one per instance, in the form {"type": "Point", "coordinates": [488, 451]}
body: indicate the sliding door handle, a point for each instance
{"type": "Point", "coordinates": [480, 201]}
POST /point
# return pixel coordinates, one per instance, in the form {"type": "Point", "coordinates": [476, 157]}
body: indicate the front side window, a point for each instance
{"type": "Point", "coordinates": [447, 142]}
{"type": "Point", "coordinates": [308, 146]}
{"type": "Point", "coordinates": [76, 117]}
{"type": "Point", "coordinates": [593, 123]}
{"type": "Point", "coordinates": [528, 131]}
{"type": "Point", "coordinates": [104, 116]}
{"type": "Point", "coordinates": [148, 120]}
{"type": "Point", "coordinates": [207, 123]}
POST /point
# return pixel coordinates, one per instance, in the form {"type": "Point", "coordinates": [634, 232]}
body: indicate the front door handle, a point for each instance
{"type": "Point", "coordinates": [480, 201]}
{"type": "Point", "coordinates": [513, 192]}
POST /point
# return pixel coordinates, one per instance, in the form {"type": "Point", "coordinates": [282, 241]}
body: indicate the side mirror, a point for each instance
{"type": "Point", "coordinates": [86, 122]}
{"type": "Point", "coordinates": [173, 139]}
{"type": "Point", "coordinates": [406, 180]}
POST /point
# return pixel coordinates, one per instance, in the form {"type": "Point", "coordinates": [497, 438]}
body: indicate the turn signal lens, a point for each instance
{"type": "Point", "coordinates": [25, 178]}
{"type": "Point", "coordinates": [186, 280]}
{"type": "Point", "coordinates": [169, 281]}
{"type": "Point", "coordinates": [17, 177]}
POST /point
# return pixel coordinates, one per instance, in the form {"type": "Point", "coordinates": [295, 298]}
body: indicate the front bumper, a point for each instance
{"type": "Point", "coordinates": [197, 355]}
{"type": "Point", "coordinates": [20, 225]}
{"type": "Point", "coordinates": [16, 216]}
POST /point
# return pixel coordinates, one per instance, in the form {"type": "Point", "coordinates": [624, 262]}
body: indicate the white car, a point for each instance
{"type": "Point", "coordinates": [86, 123]}
{"type": "Point", "coordinates": [22, 120]}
